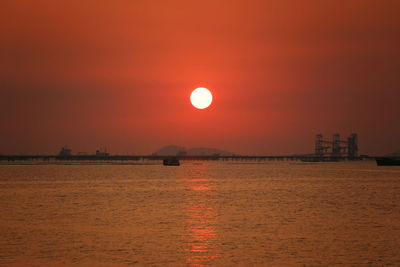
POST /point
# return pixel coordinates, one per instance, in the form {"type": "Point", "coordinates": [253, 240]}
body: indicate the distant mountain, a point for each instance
{"type": "Point", "coordinates": [173, 150]}
{"type": "Point", "coordinates": [170, 150]}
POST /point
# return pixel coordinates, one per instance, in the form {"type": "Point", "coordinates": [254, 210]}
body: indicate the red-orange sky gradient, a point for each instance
{"type": "Point", "coordinates": [119, 74]}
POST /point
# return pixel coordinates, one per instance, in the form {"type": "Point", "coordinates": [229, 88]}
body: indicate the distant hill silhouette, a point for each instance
{"type": "Point", "coordinates": [173, 150]}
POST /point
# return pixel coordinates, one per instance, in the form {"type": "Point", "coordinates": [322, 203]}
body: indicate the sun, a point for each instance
{"type": "Point", "coordinates": [201, 98]}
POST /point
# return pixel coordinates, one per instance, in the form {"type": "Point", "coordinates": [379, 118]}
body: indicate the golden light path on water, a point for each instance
{"type": "Point", "coordinates": [200, 219]}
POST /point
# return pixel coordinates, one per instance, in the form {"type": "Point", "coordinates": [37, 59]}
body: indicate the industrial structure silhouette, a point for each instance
{"type": "Point", "coordinates": [337, 148]}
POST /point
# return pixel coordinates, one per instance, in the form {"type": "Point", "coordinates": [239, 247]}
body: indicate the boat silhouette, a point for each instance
{"type": "Point", "coordinates": [388, 161]}
{"type": "Point", "coordinates": [171, 161]}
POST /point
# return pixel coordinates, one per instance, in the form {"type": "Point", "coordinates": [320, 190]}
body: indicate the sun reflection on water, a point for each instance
{"type": "Point", "coordinates": [200, 233]}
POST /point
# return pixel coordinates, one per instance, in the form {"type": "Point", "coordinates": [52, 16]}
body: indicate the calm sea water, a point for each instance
{"type": "Point", "coordinates": [200, 214]}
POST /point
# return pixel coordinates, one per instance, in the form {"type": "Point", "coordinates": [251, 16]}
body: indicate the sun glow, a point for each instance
{"type": "Point", "coordinates": [201, 98]}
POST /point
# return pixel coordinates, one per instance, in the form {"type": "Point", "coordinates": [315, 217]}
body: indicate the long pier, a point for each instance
{"type": "Point", "coordinates": [306, 158]}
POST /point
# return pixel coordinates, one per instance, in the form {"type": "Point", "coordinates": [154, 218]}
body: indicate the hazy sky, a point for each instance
{"type": "Point", "coordinates": [119, 74]}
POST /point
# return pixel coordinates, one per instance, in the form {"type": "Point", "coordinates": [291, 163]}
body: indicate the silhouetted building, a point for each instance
{"type": "Point", "coordinates": [100, 153]}
{"type": "Point", "coordinates": [65, 152]}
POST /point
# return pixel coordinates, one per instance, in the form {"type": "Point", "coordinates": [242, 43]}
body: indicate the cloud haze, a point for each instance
{"type": "Point", "coordinates": [119, 74]}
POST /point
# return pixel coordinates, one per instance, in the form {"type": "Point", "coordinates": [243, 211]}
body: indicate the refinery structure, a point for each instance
{"type": "Point", "coordinates": [337, 148]}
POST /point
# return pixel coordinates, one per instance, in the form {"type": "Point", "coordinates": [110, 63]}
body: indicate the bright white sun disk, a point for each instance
{"type": "Point", "coordinates": [201, 98]}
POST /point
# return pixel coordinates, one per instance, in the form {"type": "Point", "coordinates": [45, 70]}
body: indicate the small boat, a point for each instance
{"type": "Point", "coordinates": [171, 161]}
{"type": "Point", "coordinates": [388, 161]}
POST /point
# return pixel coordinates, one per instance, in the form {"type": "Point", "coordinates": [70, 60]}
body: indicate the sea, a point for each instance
{"type": "Point", "coordinates": [202, 213]}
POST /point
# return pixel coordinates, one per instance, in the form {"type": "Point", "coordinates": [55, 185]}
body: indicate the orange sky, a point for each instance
{"type": "Point", "coordinates": [119, 74]}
